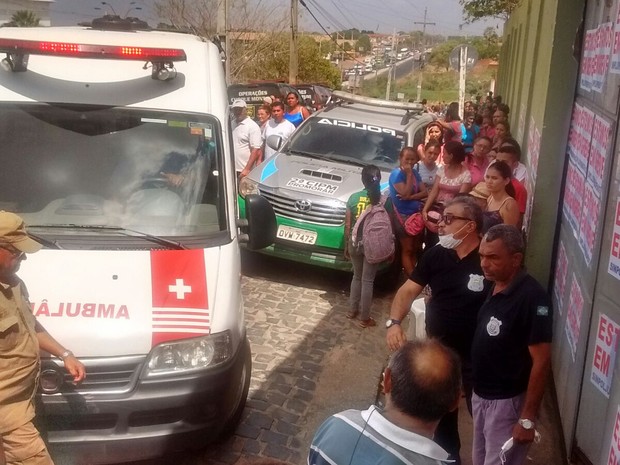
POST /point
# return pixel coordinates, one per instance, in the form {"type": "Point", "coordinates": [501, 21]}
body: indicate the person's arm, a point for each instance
{"type": "Point", "coordinates": [400, 308]}
{"type": "Point", "coordinates": [510, 212]}
{"type": "Point", "coordinates": [431, 198]}
{"type": "Point", "coordinates": [444, 124]}
{"type": "Point", "coordinates": [347, 233]}
{"type": "Point", "coordinates": [304, 112]}
{"type": "Point", "coordinates": [2, 456]}
{"type": "Point", "coordinates": [421, 151]}
{"type": "Point", "coordinates": [541, 366]}
{"type": "Point", "coordinates": [252, 161]}
{"type": "Point", "coordinates": [52, 346]}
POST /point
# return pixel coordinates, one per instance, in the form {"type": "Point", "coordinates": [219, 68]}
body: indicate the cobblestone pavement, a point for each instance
{"type": "Point", "coordinates": [309, 362]}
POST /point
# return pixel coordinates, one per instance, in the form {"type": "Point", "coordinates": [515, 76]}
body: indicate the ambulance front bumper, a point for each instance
{"type": "Point", "coordinates": [157, 417]}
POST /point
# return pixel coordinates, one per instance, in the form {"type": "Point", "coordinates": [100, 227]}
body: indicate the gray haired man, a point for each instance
{"type": "Point", "coordinates": [511, 351]}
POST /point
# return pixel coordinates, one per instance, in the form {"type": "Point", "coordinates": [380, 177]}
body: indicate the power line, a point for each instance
{"type": "Point", "coordinates": [342, 13]}
{"type": "Point", "coordinates": [328, 16]}
{"type": "Point", "coordinates": [303, 3]}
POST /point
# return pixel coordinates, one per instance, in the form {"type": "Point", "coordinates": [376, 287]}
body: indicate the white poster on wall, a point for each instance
{"type": "Point", "coordinates": [614, 252]}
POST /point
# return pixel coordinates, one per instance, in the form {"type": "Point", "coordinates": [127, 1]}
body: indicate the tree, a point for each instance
{"type": "Point", "coordinates": [363, 43]}
{"type": "Point", "coordinates": [488, 45]}
{"type": "Point", "coordinates": [23, 18]}
{"type": "Point", "coordinates": [481, 9]}
{"type": "Point", "coordinates": [441, 53]}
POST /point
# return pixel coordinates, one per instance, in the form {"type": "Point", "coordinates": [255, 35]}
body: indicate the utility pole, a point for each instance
{"type": "Point", "coordinates": [423, 23]}
{"type": "Point", "coordinates": [293, 64]}
{"type": "Point", "coordinates": [224, 34]}
{"type": "Point", "coordinates": [392, 64]}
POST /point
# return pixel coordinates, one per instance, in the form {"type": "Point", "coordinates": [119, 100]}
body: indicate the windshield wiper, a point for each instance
{"type": "Point", "coordinates": [310, 154]}
{"type": "Point", "coordinates": [149, 237]}
{"type": "Point", "coordinates": [45, 242]}
{"type": "Point", "coordinates": [349, 160]}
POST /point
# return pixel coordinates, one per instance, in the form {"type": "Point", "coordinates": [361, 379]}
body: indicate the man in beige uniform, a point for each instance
{"type": "Point", "coordinates": [21, 337]}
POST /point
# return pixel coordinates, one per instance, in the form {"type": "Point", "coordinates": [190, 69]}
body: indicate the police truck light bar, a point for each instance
{"type": "Point", "coordinates": [114, 52]}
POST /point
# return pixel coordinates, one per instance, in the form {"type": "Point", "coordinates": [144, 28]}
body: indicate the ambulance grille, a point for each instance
{"type": "Point", "coordinates": [107, 376]}
{"type": "Point", "coordinates": [322, 175]}
{"type": "Point", "coordinates": [319, 212]}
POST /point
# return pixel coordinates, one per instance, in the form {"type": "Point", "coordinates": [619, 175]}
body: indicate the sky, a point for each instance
{"type": "Point", "coordinates": [383, 16]}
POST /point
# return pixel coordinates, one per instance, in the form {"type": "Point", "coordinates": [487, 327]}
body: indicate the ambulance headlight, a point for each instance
{"type": "Point", "coordinates": [247, 187]}
{"type": "Point", "coordinates": [189, 355]}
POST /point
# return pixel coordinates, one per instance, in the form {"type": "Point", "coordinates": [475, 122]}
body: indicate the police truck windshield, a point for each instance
{"type": "Point", "coordinates": [151, 171]}
{"type": "Point", "coordinates": [347, 140]}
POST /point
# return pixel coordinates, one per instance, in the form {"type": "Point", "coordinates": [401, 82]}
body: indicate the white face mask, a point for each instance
{"type": "Point", "coordinates": [449, 242]}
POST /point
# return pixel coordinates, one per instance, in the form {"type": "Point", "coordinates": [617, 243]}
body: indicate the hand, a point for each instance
{"type": "Point", "coordinates": [174, 180]}
{"type": "Point", "coordinates": [244, 173]}
{"type": "Point", "coordinates": [76, 368]}
{"type": "Point", "coordinates": [425, 215]}
{"type": "Point", "coordinates": [395, 337]}
{"type": "Point", "coordinates": [522, 435]}
{"type": "Point", "coordinates": [347, 255]}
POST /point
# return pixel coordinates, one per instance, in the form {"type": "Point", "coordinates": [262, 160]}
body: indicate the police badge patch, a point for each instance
{"type": "Point", "coordinates": [493, 326]}
{"type": "Point", "coordinates": [476, 283]}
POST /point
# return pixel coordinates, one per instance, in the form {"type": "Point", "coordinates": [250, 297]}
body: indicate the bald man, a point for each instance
{"type": "Point", "coordinates": [421, 384]}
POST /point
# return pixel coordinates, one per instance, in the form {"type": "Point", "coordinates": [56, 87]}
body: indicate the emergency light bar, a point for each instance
{"type": "Point", "coordinates": [113, 52]}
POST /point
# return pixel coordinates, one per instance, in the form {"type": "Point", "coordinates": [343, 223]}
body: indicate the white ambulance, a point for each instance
{"type": "Point", "coordinates": [115, 150]}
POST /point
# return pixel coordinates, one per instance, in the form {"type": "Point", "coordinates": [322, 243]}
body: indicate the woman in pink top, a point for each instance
{"type": "Point", "coordinates": [434, 131]}
{"type": "Point", "coordinates": [452, 178]}
{"type": "Point", "coordinates": [478, 161]}
{"type": "Point", "coordinates": [452, 123]}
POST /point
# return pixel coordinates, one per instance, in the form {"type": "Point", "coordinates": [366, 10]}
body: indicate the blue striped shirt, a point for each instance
{"type": "Point", "coordinates": [356, 437]}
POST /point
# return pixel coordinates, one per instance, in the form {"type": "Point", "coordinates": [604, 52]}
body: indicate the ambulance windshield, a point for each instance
{"type": "Point", "coordinates": [152, 171]}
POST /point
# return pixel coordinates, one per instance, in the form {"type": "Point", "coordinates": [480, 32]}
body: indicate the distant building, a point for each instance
{"type": "Point", "coordinates": [39, 7]}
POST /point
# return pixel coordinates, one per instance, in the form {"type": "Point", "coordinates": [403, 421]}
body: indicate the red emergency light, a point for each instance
{"type": "Point", "coordinates": [114, 52]}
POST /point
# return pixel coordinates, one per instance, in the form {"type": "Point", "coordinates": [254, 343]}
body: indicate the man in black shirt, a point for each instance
{"type": "Point", "coordinates": [511, 351]}
{"type": "Point", "coordinates": [452, 270]}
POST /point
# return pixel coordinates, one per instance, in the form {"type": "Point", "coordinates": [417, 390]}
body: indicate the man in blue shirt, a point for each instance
{"type": "Point", "coordinates": [421, 384]}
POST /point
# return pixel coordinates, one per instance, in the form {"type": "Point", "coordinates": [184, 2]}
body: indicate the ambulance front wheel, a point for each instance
{"type": "Point", "coordinates": [235, 418]}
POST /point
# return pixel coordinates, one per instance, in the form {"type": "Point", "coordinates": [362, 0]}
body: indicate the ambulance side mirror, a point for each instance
{"type": "Point", "coordinates": [261, 222]}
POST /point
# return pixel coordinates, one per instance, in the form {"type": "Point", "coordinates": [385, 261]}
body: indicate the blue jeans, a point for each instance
{"type": "Point", "coordinates": [360, 298]}
{"type": "Point", "coordinates": [493, 424]}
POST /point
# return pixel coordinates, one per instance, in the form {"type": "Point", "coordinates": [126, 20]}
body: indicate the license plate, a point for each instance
{"type": "Point", "coordinates": [296, 235]}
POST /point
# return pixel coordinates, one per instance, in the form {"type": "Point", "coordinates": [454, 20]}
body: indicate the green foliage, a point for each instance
{"type": "Point", "coordinates": [436, 85]}
{"type": "Point", "coordinates": [363, 43]}
{"type": "Point", "coordinates": [441, 53]}
{"type": "Point", "coordinates": [23, 18]}
{"type": "Point", "coordinates": [348, 34]}
{"type": "Point", "coordinates": [271, 62]}
{"type": "Point", "coordinates": [488, 46]}
{"type": "Point", "coordinates": [474, 10]}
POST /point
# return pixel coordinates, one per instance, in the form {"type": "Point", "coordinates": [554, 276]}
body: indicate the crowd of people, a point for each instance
{"type": "Point", "coordinates": [468, 256]}
{"type": "Point", "coordinates": [250, 137]}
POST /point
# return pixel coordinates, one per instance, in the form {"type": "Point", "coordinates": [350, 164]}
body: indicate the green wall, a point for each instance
{"type": "Point", "coordinates": [537, 79]}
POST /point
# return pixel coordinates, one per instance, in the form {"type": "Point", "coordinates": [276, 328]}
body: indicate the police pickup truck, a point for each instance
{"type": "Point", "coordinates": [309, 180]}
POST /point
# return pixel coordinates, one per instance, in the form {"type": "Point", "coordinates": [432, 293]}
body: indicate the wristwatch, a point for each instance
{"type": "Point", "coordinates": [526, 424]}
{"type": "Point", "coordinates": [391, 322]}
{"type": "Point", "coordinates": [65, 354]}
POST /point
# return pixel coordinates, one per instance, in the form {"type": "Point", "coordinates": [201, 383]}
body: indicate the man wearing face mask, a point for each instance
{"type": "Point", "coordinates": [452, 270]}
